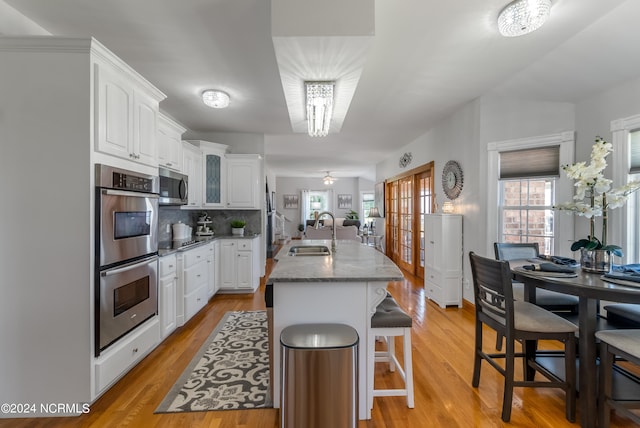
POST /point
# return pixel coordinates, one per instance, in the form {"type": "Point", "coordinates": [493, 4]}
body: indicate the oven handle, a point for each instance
{"type": "Point", "coordinates": [129, 266]}
{"type": "Point", "coordinates": [125, 193]}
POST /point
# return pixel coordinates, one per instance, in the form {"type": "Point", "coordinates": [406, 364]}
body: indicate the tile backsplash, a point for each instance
{"type": "Point", "coordinates": [173, 214]}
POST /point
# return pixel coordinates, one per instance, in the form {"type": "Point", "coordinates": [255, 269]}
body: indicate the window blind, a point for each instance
{"type": "Point", "coordinates": [527, 163]}
{"type": "Point", "coordinates": [634, 151]}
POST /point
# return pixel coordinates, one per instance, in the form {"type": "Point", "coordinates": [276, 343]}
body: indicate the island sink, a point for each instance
{"type": "Point", "coordinates": [309, 250]}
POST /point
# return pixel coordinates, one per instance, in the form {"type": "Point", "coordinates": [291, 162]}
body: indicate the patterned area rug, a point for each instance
{"type": "Point", "coordinates": [230, 371]}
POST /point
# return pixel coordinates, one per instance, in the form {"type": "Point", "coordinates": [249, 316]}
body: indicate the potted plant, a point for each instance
{"type": "Point", "coordinates": [300, 229]}
{"type": "Point", "coordinates": [352, 215]}
{"type": "Point", "coordinates": [237, 227]}
{"type": "Point", "coordinates": [594, 197]}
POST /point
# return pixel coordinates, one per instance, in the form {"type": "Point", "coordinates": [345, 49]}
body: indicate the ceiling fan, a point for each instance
{"type": "Point", "coordinates": [328, 179]}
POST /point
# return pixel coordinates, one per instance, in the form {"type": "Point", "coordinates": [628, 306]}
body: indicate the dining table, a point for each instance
{"type": "Point", "coordinates": [590, 288]}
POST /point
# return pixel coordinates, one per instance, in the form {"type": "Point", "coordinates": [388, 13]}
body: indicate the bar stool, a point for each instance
{"type": "Point", "coordinates": [388, 322]}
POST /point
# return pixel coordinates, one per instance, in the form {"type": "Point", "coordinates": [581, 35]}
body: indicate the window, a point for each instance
{"type": "Point", "coordinates": [525, 182]}
{"type": "Point", "coordinates": [368, 202]}
{"type": "Point", "coordinates": [318, 201]}
{"type": "Point", "coordinates": [624, 224]}
{"type": "Point", "coordinates": [633, 209]}
{"type": "Point", "coordinates": [526, 212]}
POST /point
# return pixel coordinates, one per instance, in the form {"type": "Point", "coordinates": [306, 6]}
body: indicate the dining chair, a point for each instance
{"type": "Point", "coordinates": [623, 315]}
{"type": "Point", "coordinates": [616, 343]}
{"type": "Point", "coordinates": [517, 320]}
{"type": "Point", "coordinates": [550, 300]}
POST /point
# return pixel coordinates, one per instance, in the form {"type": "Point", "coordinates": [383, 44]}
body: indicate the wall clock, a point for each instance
{"type": "Point", "coordinates": [452, 179]}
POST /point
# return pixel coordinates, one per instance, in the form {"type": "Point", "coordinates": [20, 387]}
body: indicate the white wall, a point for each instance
{"type": "Point", "coordinates": [46, 224]}
{"type": "Point", "coordinates": [463, 136]}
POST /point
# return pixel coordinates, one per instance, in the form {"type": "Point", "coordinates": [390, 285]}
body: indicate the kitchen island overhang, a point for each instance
{"type": "Point", "coordinates": [343, 287]}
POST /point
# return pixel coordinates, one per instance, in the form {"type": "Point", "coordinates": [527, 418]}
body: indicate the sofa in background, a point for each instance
{"type": "Point", "coordinates": [340, 222]}
{"type": "Point", "coordinates": [342, 232]}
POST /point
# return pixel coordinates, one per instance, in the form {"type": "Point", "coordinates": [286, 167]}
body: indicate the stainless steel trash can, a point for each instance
{"type": "Point", "coordinates": [319, 376]}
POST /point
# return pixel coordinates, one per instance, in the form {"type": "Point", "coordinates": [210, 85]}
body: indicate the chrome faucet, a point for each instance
{"type": "Point", "coordinates": [333, 233]}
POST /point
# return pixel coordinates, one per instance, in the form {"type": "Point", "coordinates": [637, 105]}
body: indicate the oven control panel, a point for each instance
{"type": "Point", "coordinates": [132, 182]}
{"type": "Point", "coordinates": [115, 178]}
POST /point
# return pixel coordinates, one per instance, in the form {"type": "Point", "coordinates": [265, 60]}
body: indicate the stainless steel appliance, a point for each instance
{"type": "Point", "coordinates": [174, 187]}
{"type": "Point", "coordinates": [128, 297]}
{"type": "Point", "coordinates": [126, 252]}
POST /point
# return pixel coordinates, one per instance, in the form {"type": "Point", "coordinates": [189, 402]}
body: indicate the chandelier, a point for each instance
{"type": "Point", "coordinates": [215, 99]}
{"type": "Point", "coordinates": [328, 180]}
{"type": "Point", "coordinates": [523, 16]}
{"type": "Point", "coordinates": [319, 107]}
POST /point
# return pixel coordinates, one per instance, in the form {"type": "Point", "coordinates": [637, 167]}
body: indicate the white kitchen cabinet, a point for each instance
{"type": "Point", "coordinates": [127, 114]}
{"type": "Point", "coordinates": [243, 181]}
{"type": "Point", "coordinates": [196, 276]}
{"type": "Point", "coordinates": [193, 277]}
{"type": "Point", "coordinates": [170, 143]}
{"type": "Point", "coordinates": [119, 358]}
{"type": "Point", "coordinates": [192, 167]}
{"type": "Point", "coordinates": [212, 259]}
{"type": "Point", "coordinates": [167, 285]}
{"type": "Point", "coordinates": [443, 258]}
{"type": "Point", "coordinates": [75, 72]}
{"type": "Point", "coordinates": [214, 180]}
{"type": "Point", "coordinates": [239, 265]}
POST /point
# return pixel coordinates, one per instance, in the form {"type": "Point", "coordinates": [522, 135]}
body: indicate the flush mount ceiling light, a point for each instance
{"type": "Point", "coordinates": [215, 99]}
{"type": "Point", "coordinates": [319, 107]}
{"type": "Point", "coordinates": [523, 16]}
{"type": "Point", "coordinates": [328, 180]}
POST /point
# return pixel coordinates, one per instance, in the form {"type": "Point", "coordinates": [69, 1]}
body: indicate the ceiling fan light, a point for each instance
{"type": "Point", "coordinates": [319, 107]}
{"type": "Point", "coordinates": [523, 16]}
{"type": "Point", "coordinates": [328, 179]}
{"type": "Point", "coordinates": [215, 99]}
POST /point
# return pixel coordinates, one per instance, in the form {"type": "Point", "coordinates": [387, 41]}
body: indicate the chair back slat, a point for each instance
{"type": "Point", "coordinates": [492, 288]}
{"type": "Point", "coordinates": [515, 251]}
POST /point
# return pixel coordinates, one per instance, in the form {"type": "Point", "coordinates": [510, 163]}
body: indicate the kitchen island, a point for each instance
{"type": "Point", "coordinates": [343, 287]}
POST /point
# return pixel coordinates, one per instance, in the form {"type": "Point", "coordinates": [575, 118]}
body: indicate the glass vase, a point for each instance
{"type": "Point", "coordinates": [595, 261]}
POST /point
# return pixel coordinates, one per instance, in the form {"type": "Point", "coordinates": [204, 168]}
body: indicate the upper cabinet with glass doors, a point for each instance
{"type": "Point", "coordinates": [230, 181]}
{"type": "Point", "coordinates": [213, 173]}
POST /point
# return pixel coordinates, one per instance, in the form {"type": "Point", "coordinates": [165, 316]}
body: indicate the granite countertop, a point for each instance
{"type": "Point", "coordinates": [351, 262]}
{"type": "Point", "coordinates": [166, 248]}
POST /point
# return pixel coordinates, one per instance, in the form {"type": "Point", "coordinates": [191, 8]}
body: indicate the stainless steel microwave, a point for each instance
{"type": "Point", "coordinates": [174, 187]}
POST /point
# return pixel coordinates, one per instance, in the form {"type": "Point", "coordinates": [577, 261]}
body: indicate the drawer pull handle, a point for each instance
{"type": "Point", "coordinates": [135, 350]}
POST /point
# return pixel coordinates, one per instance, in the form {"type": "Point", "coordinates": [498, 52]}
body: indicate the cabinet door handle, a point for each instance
{"type": "Point", "coordinates": [135, 350]}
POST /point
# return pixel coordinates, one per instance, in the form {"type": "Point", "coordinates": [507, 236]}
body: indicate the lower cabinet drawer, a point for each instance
{"type": "Point", "coordinates": [167, 265]}
{"type": "Point", "coordinates": [433, 276]}
{"type": "Point", "coordinates": [122, 356]}
{"type": "Point", "coordinates": [195, 276]}
{"type": "Point", "coordinates": [194, 302]}
{"type": "Point", "coordinates": [433, 291]}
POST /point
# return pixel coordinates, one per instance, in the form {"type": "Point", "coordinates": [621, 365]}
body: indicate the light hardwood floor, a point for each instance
{"type": "Point", "coordinates": [442, 357]}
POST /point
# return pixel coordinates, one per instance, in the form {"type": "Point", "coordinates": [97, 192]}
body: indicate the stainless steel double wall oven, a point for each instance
{"type": "Point", "coordinates": [126, 252]}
